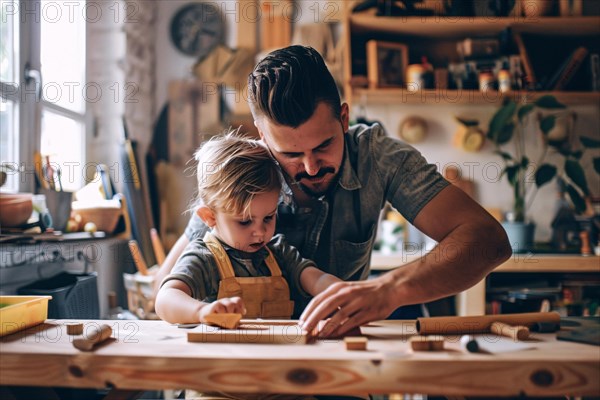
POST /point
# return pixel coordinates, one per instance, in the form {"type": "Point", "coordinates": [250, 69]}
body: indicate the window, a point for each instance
{"type": "Point", "coordinates": [43, 77]}
{"type": "Point", "coordinates": [9, 61]}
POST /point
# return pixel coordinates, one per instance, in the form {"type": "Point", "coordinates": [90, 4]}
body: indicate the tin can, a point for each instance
{"type": "Point", "coordinates": [415, 77]}
{"type": "Point", "coordinates": [504, 81]}
{"type": "Point", "coordinates": [486, 81]}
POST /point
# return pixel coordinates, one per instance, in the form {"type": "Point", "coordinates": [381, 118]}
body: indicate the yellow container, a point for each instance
{"type": "Point", "coordinates": [21, 312]}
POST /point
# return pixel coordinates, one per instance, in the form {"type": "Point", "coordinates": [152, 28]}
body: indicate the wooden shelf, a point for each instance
{"type": "Point", "coordinates": [550, 263]}
{"type": "Point", "coordinates": [472, 300]}
{"type": "Point", "coordinates": [517, 263]}
{"type": "Point", "coordinates": [461, 27]}
{"type": "Point", "coordinates": [403, 96]}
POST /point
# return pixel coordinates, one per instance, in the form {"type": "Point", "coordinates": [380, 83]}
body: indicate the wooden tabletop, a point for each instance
{"type": "Point", "coordinates": [156, 355]}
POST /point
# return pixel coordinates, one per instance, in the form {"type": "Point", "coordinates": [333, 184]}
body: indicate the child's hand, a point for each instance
{"type": "Point", "coordinates": [227, 305]}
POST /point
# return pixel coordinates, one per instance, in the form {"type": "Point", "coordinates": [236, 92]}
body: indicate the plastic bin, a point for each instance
{"type": "Point", "coordinates": [73, 295]}
{"type": "Point", "coordinates": [21, 312]}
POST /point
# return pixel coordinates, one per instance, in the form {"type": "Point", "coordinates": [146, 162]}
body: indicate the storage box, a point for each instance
{"type": "Point", "coordinates": [140, 296]}
{"type": "Point", "coordinates": [75, 295]}
{"type": "Point", "coordinates": [21, 312]}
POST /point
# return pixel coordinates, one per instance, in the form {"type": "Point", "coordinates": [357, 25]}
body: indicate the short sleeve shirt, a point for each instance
{"type": "Point", "coordinates": [339, 233]}
{"type": "Point", "coordinates": [198, 269]}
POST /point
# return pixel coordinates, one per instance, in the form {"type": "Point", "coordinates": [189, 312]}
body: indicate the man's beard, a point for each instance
{"type": "Point", "coordinates": [321, 173]}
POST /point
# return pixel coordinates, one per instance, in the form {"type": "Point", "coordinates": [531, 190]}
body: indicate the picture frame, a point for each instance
{"type": "Point", "coordinates": [386, 64]}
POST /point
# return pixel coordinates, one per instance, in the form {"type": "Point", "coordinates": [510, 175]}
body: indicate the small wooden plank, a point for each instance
{"type": "Point", "coordinates": [273, 334]}
{"type": "Point", "coordinates": [356, 343]}
{"type": "Point", "coordinates": [224, 320]}
{"type": "Point", "coordinates": [74, 328]}
{"type": "Point", "coordinates": [269, 322]}
{"type": "Point", "coordinates": [427, 343]}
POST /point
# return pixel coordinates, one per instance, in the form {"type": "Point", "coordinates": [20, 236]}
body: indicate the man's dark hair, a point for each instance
{"type": "Point", "coordinates": [287, 85]}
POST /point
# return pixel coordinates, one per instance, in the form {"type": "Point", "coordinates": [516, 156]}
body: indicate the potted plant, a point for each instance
{"type": "Point", "coordinates": [508, 129]}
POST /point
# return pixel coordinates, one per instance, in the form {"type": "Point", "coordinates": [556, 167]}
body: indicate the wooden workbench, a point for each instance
{"type": "Point", "coordinates": [156, 355]}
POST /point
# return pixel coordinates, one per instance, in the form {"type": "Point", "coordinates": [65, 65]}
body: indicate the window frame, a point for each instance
{"type": "Point", "coordinates": [29, 107]}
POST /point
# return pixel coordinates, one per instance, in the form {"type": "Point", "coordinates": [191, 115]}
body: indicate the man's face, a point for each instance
{"type": "Point", "coordinates": [311, 154]}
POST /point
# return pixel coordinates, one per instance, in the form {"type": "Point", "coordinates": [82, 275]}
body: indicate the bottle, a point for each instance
{"type": "Point", "coordinates": [486, 81]}
{"type": "Point", "coordinates": [415, 77]}
{"type": "Point", "coordinates": [428, 73]}
{"type": "Point", "coordinates": [504, 83]}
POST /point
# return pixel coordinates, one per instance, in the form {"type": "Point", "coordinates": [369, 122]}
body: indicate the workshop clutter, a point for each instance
{"type": "Point", "coordinates": [140, 294]}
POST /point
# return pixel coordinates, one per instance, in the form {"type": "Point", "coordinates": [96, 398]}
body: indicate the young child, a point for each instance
{"type": "Point", "coordinates": [238, 267]}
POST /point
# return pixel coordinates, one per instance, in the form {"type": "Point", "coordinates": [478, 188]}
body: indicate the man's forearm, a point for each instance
{"type": "Point", "coordinates": [458, 262]}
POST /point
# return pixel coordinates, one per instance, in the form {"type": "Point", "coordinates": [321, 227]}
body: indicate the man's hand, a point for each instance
{"type": "Point", "coordinates": [349, 305]}
{"type": "Point", "coordinates": [233, 305]}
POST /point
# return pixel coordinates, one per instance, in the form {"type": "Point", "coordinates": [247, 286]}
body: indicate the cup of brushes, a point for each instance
{"type": "Point", "coordinates": [140, 286]}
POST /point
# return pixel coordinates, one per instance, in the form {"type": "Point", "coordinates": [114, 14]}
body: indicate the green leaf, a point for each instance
{"type": "Point", "coordinates": [500, 119]}
{"type": "Point", "coordinates": [512, 173]}
{"type": "Point", "coordinates": [597, 164]}
{"type": "Point", "coordinates": [549, 102]}
{"type": "Point", "coordinates": [467, 122]}
{"type": "Point", "coordinates": [547, 124]}
{"type": "Point", "coordinates": [505, 134]}
{"type": "Point", "coordinates": [576, 199]}
{"type": "Point", "coordinates": [577, 154]}
{"type": "Point", "coordinates": [504, 155]}
{"type": "Point", "coordinates": [576, 174]}
{"type": "Point", "coordinates": [523, 111]}
{"type": "Point", "coordinates": [589, 142]}
{"type": "Point", "coordinates": [544, 174]}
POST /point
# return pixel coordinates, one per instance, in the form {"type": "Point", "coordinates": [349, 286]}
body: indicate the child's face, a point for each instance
{"type": "Point", "coordinates": [249, 234]}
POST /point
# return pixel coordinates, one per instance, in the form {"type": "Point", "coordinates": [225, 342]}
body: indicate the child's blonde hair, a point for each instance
{"type": "Point", "coordinates": [231, 170]}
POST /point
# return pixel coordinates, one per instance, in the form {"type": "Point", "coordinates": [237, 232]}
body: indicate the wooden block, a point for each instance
{"type": "Point", "coordinates": [74, 328]}
{"type": "Point", "coordinates": [225, 320]}
{"type": "Point", "coordinates": [246, 323]}
{"type": "Point", "coordinates": [427, 343]}
{"type": "Point", "coordinates": [436, 343]}
{"type": "Point", "coordinates": [269, 334]}
{"type": "Point", "coordinates": [98, 337]}
{"type": "Point", "coordinates": [356, 343]}
{"type": "Point", "coordinates": [419, 343]}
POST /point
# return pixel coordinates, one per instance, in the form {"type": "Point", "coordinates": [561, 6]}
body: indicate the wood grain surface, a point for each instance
{"type": "Point", "coordinates": [156, 355]}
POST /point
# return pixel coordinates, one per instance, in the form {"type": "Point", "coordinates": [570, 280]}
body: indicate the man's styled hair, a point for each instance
{"type": "Point", "coordinates": [233, 169]}
{"type": "Point", "coordinates": [287, 85]}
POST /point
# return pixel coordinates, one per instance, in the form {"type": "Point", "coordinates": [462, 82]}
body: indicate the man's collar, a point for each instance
{"type": "Point", "coordinates": [348, 178]}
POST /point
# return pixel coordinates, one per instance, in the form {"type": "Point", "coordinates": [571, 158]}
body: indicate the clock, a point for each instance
{"type": "Point", "coordinates": [196, 29]}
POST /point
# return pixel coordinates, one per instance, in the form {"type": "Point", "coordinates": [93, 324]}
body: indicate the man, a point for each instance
{"type": "Point", "coordinates": [338, 179]}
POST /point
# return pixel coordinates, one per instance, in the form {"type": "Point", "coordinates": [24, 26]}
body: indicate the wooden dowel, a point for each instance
{"type": "Point", "coordinates": [137, 257]}
{"type": "Point", "coordinates": [157, 246]}
{"type": "Point", "coordinates": [479, 323]}
{"type": "Point", "coordinates": [99, 336]}
{"type": "Point", "coordinates": [518, 332]}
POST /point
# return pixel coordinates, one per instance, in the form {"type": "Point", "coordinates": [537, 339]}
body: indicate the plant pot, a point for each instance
{"type": "Point", "coordinates": [536, 8]}
{"type": "Point", "coordinates": [520, 235]}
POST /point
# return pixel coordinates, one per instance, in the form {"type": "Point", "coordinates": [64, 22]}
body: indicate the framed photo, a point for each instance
{"type": "Point", "coordinates": [386, 64]}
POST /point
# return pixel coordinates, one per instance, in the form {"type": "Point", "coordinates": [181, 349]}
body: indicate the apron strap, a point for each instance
{"type": "Point", "coordinates": [272, 263]}
{"type": "Point", "coordinates": [221, 257]}
{"type": "Point", "coordinates": [224, 263]}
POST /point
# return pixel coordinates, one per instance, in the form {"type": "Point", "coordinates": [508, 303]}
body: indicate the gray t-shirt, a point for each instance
{"type": "Point", "coordinates": [198, 269]}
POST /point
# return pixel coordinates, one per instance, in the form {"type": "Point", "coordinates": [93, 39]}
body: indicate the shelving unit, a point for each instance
{"type": "Point", "coordinates": [402, 96]}
{"type": "Point", "coordinates": [472, 301]}
{"type": "Point", "coordinates": [437, 36]}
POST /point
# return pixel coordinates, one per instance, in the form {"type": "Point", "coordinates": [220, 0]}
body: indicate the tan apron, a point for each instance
{"type": "Point", "coordinates": [264, 297]}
